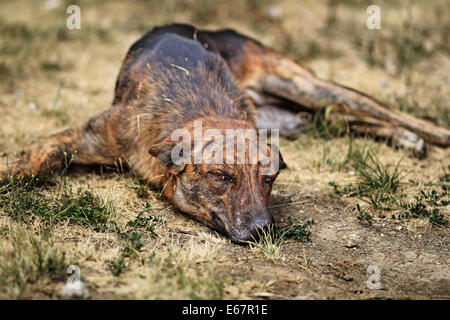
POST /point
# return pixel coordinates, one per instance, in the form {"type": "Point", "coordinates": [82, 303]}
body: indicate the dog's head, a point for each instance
{"type": "Point", "coordinates": [224, 179]}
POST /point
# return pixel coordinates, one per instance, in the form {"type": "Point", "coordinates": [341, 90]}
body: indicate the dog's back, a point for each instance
{"type": "Point", "coordinates": [179, 79]}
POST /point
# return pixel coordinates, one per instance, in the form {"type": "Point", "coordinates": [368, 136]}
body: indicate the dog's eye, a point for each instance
{"type": "Point", "coordinates": [219, 176]}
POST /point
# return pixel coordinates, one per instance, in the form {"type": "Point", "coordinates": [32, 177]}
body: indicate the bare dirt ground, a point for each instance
{"type": "Point", "coordinates": [52, 78]}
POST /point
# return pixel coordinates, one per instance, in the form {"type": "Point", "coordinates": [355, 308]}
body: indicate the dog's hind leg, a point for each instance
{"type": "Point", "coordinates": [312, 92]}
{"type": "Point", "coordinates": [270, 73]}
{"type": "Point", "coordinates": [90, 143]}
{"type": "Point", "coordinates": [273, 114]}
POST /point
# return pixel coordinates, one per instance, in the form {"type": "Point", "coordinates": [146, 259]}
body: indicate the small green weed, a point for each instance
{"type": "Point", "coordinates": [325, 127]}
{"type": "Point", "coordinates": [426, 205]}
{"type": "Point", "coordinates": [133, 233]}
{"type": "Point", "coordinates": [117, 265]}
{"type": "Point", "coordinates": [147, 223]}
{"type": "Point", "coordinates": [139, 187]}
{"type": "Point", "coordinates": [363, 215]}
{"type": "Point", "coordinates": [297, 232]}
{"type": "Point", "coordinates": [377, 185]}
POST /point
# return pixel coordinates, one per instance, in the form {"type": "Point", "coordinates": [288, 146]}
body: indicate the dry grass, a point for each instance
{"type": "Point", "coordinates": [52, 78]}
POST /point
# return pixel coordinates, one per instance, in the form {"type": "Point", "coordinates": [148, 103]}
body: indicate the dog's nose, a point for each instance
{"type": "Point", "coordinates": [261, 225]}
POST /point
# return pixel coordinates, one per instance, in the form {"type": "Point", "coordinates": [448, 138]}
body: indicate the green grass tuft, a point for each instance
{"type": "Point", "coordinates": [26, 202]}
{"type": "Point", "coordinates": [28, 260]}
{"type": "Point", "coordinates": [376, 184]}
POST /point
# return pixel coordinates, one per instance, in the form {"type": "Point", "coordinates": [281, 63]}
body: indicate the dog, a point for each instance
{"type": "Point", "coordinates": [176, 77]}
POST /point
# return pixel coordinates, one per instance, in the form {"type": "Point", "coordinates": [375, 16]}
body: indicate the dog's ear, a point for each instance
{"type": "Point", "coordinates": [274, 150]}
{"type": "Point", "coordinates": [283, 164]}
{"type": "Point", "coordinates": [171, 154]}
{"type": "Point", "coordinates": [276, 162]}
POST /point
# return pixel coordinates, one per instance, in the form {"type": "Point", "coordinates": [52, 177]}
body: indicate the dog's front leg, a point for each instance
{"type": "Point", "coordinates": [90, 143]}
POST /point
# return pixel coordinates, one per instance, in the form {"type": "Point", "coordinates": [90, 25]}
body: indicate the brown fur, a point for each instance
{"type": "Point", "coordinates": [157, 93]}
